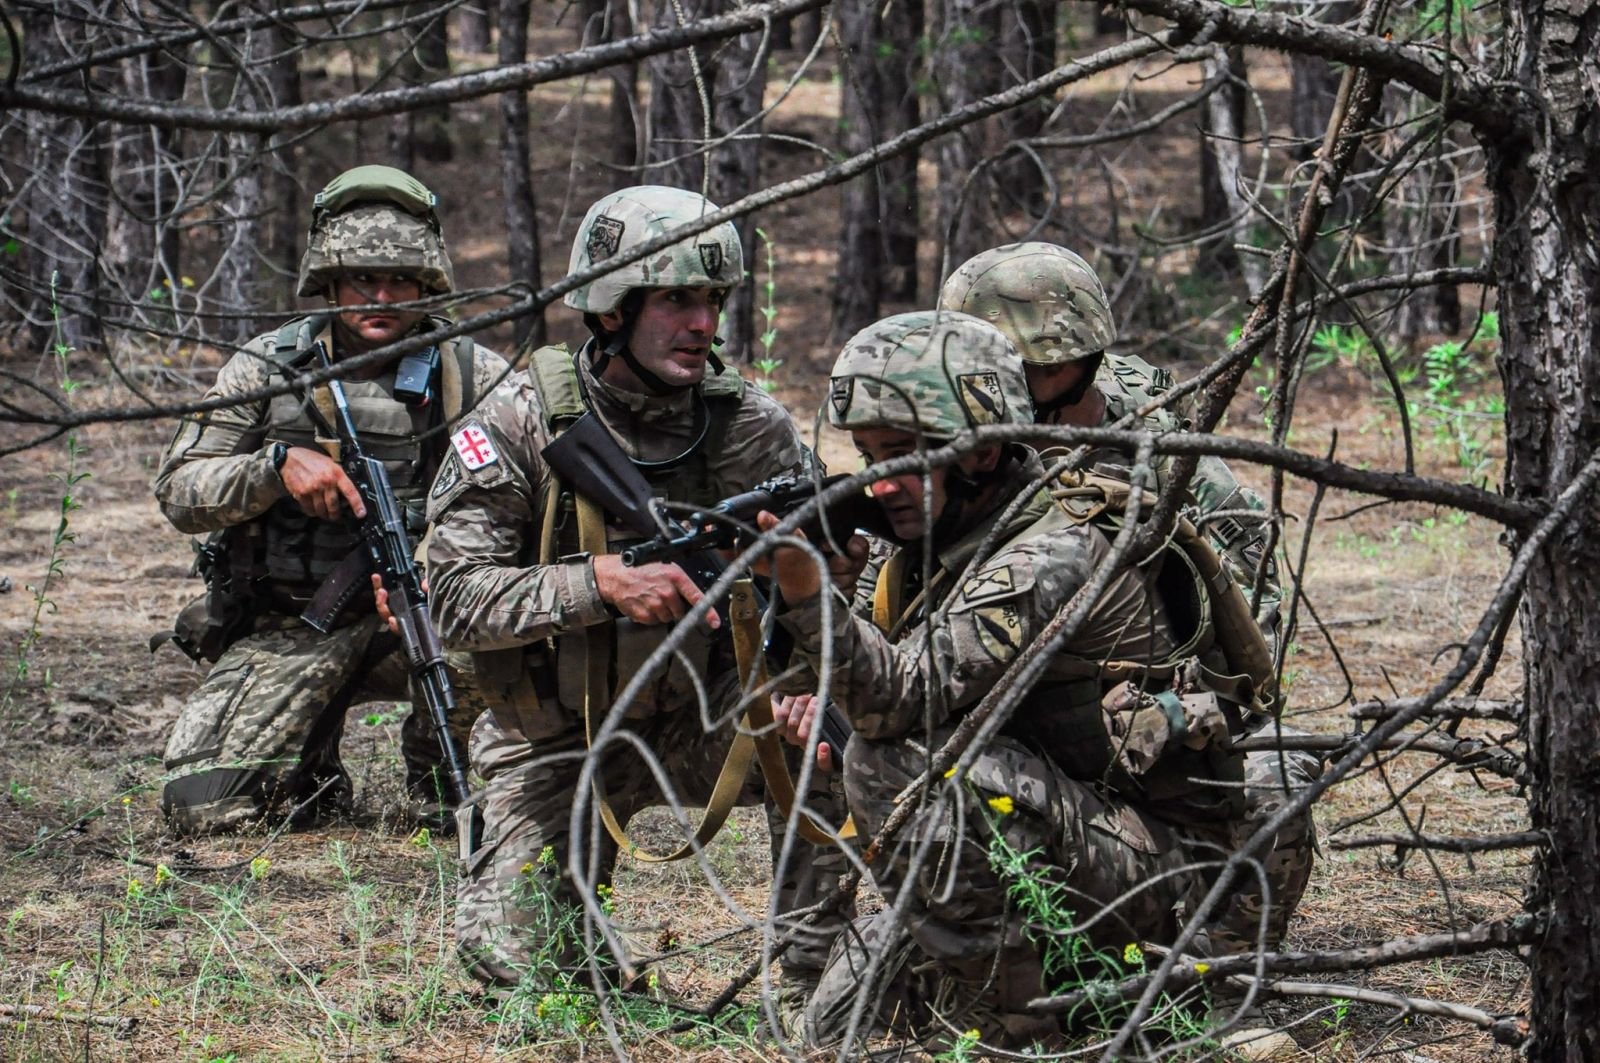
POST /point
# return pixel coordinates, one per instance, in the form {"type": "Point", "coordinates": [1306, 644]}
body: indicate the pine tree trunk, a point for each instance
{"type": "Point", "coordinates": [284, 217]}
{"type": "Point", "coordinates": [142, 245]}
{"type": "Point", "coordinates": [678, 130]}
{"type": "Point", "coordinates": [1546, 184]}
{"type": "Point", "coordinates": [65, 202]}
{"type": "Point", "coordinates": [1028, 37]}
{"type": "Point", "coordinates": [475, 26]}
{"type": "Point", "coordinates": [1222, 201]}
{"type": "Point", "coordinates": [1422, 229]}
{"type": "Point", "coordinates": [516, 172]}
{"type": "Point", "coordinates": [423, 133]}
{"type": "Point", "coordinates": [964, 70]}
{"type": "Point", "coordinates": [609, 20]}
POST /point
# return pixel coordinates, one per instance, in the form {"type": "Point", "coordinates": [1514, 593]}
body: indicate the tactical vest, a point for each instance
{"type": "Point", "coordinates": [1219, 650]}
{"type": "Point", "coordinates": [554, 374]}
{"type": "Point", "coordinates": [298, 550]}
{"type": "Point", "coordinates": [518, 680]}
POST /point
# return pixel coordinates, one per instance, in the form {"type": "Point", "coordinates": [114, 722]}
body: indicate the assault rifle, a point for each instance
{"type": "Point", "coordinates": [587, 457]}
{"type": "Point", "coordinates": [387, 550]}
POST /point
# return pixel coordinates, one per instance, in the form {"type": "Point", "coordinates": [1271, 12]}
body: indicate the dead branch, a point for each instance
{"type": "Point", "coordinates": [119, 1025]}
{"type": "Point", "coordinates": [1485, 937]}
{"type": "Point", "coordinates": [1450, 709]}
{"type": "Point", "coordinates": [1477, 843]}
{"type": "Point", "coordinates": [1466, 753]}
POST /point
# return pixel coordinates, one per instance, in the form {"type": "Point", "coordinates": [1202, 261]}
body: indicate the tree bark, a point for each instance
{"type": "Point", "coordinates": [1313, 84]}
{"type": "Point", "coordinates": [1546, 184]}
{"type": "Point", "coordinates": [1422, 229]}
{"type": "Point", "coordinates": [65, 201]}
{"type": "Point", "coordinates": [1028, 40]}
{"type": "Point", "coordinates": [964, 70]}
{"type": "Point", "coordinates": [423, 133]}
{"type": "Point", "coordinates": [731, 83]}
{"type": "Point", "coordinates": [516, 172]}
{"type": "Point", "coordinates": [142, 235]}
{"type": "Point", "coordinates": [284, 218]}
{"type": "Point", "coordinates": [609, 20]}
{"type": "Point", "coordinates": [475, 26]}
{"type": "Point", "coordinates": [1222, 203]}
{"type": "Point", "coordinates": [874, 259]}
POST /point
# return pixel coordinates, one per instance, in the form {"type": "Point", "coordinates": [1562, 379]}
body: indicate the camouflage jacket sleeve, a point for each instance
{"type": "Point", "coordinates": [217, 471]}
{"type": "Point", "coordinates": [1239, 537]}
{"type": "Point", "coordinates": [761, 442]}
{"type": "Point", "coordinates": [931, 675]}
{"type": "Point", "coordinates": [488, 592]}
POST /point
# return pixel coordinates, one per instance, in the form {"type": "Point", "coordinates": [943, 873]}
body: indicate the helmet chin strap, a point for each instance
{"type": "Point", "coordinates": [615, 344]}
{"type": "Point", "coordinates": [1042, 411]}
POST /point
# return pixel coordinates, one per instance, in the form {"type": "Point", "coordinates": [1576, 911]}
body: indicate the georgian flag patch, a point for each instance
{"type": "Point", "coordinates": [473, 445]}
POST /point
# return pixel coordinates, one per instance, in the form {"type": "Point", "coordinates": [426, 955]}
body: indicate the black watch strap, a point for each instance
{"type": "Point", "coordinates": [280, 454]}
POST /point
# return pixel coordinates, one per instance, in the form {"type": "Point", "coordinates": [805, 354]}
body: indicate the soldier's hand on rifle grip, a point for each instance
{"type": "Point", "coordinates": [794, 570]}
{"type": "Point", "coordinates": [317, 483]}
{"type": "Point", "coordinates": [656, 593]}
{"type": "Point", "coordinates": [382, 596]}
{"type": "Point", "coordinates": [845, 569]}
{"type": "Point", "coordinates": [795, 714]}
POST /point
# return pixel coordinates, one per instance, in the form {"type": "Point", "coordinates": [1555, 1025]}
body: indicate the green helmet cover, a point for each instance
{"type": "Point", "coordinates": [623, 220]}
{"type": "Point", "coordinates": [375, 218]}
{"type": "Point", "coordinates": [932, 372]}
{"type": "Point", "coordinates": [1047, 300]}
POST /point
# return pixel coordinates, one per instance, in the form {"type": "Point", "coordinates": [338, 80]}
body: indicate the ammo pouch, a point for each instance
{"type": "Point", "coordinates": [1178, 748]}
{"type": "Point", "coordinates": [207, 626]}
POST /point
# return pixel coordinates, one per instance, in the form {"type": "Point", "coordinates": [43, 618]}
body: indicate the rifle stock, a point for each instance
{"type": "Point", "coordinates": [588, 458]}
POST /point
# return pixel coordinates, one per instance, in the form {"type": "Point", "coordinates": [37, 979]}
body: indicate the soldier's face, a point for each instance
{"type": "Point", "coordinates": [672, 334]}
{"type": "Point", "coordinates": [1048, 382]}
{"type": "Point", "coordinates": [902, 497]}
{"type": "Point", "coordinates": [365, 330]}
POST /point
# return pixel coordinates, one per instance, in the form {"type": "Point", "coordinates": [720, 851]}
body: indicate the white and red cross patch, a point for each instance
{"type": "Point", "coordinates": [473, 444]}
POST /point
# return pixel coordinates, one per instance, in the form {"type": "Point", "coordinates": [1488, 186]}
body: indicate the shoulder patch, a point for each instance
{"type": "Point", "coordinates": [982, 397]}
{"type": "Point", "coordinates": [449, 476]}
{"type": "Point", "coordinates": [988, 586]}
{"type": "Point", "coordinates": [605, 237]}
{"type": "Point", "coordinates": [474, 447]}
{"type": "Point", "coordinates": [999, 629]}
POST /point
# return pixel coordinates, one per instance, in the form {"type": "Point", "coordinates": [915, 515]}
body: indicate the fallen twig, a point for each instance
{"type": "Point", "coordinates": [120, 1025]}
{"type": "Point", "coordinates": [1482, 843]}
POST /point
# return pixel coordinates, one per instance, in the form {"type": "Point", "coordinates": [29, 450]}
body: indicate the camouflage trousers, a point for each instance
{"type": "Point", "coordinates": [519, 913]}
{"type": "Point", "coordinates": [261, 733]}
{"type": "Point", "coordinates": [1260, 905]}
{"type": "Point", "coordinates": [951, 952]}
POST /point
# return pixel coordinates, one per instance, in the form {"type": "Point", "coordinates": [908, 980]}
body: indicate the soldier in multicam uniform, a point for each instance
{"type": "Point", "coordinates": [1051, 305]}
{"type": "Point", "coordinates": [261, 734]}
{"type": "Point", "coordinates": [1114, 777]}
{"type": "Point", "coordinates": [1053, 308]}
{"type": "Point", "coordinates": [519, 583]}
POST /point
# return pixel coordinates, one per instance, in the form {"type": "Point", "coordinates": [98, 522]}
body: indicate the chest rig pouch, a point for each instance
{"type": "Point", "coordinates": [572, 525]}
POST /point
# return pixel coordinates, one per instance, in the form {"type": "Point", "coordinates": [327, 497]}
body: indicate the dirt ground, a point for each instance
{"type": "Point", "coordinates": [335, 943]}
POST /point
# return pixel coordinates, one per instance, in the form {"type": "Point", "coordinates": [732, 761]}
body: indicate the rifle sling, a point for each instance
{"type": "Point", "coordinates": [756, 736]}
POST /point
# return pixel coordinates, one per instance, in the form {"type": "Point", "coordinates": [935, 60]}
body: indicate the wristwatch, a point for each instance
{"type": "Point", "coordinates": [280, 454]}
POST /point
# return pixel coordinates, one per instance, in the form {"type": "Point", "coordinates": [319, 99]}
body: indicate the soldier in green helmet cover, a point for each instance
{"type": "Point", "coordinates": [1115, 779]}
{"type": "Point", "coordinates": [260, 736]}
{"type": "Point", "coordinates": [535, 592]}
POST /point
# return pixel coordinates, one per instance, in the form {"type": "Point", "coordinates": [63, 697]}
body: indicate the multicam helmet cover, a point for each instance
{"type": "Point", "coordinates": [933, 372]}
{"type": "Point", "coordinates": [375, 218]}
{"type": "Point", "coordinates": [624, 220]}
{"type": "Point", "coordinates": [1047, 300]}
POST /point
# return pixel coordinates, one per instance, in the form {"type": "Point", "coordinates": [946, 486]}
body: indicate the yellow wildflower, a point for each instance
{"type": "Point", "coordinates": [163, 873]}
{"type": "Point", "coordinates": [126, 801]}
{"type": "Point", "coordinates": [1201, 967]}
{"type": "Point", "coordinates": [1133, 955]}
{"type": "Point", "coordinates": [950, 773]}
{"type": "Point", "coordinates": [135, 889]}
{"type": "Point", "coordinates": [1003, 804]}
{"type": "Point", "coordinates": [259, 868]}
{"type": "Point", "coordinates": [423, 838]}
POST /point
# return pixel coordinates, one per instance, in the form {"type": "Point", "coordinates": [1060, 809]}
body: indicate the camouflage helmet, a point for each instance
{"type": "Point", "coordinates": [934, 372]}
{"type": "Point", "coordinates": [1047, 300]}
{"type": "Point", "coordinates": [375, 218]}
{"type": "Point", "coordinates": [626, 219]}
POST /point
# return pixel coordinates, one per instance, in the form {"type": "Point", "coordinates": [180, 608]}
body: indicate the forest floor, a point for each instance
{"type": "Point", "coordinates": [119, 943]}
